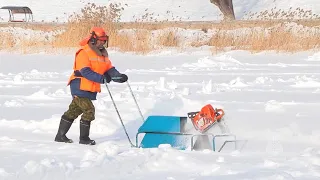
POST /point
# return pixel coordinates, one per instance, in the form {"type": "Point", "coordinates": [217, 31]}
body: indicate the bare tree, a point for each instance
{"type": "Point", "coordinates": [226, 7]}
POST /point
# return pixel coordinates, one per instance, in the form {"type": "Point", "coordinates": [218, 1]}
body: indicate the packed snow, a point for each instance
{"type": "Point", "coordinates": [271, 102]}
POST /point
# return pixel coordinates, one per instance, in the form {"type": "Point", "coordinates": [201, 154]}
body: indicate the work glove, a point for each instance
{"type": "Point", "coordinates": [120, 79]}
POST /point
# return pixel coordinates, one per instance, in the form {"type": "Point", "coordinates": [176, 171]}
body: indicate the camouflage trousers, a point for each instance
{"type": "Point", "coordinates": [80, 105]}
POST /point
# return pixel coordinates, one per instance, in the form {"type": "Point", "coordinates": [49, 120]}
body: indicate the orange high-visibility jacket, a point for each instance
{"type": "Point", "coordinates": [86, 57]}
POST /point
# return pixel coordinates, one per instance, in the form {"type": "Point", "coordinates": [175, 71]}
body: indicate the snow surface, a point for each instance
{"type": "Point", "coordinates": [193, 10]}
{"type": "Point", "coordinates": [270, 99]}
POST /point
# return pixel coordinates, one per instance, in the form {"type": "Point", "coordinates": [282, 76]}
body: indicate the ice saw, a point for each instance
{"type": "Point", "coordinates": [203, 120]}
{"type": "Point", "coordinates": [175, 130]}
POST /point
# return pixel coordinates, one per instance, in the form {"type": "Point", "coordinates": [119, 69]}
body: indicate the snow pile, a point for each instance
{"type": "Point", "coordinates": [14, 103]}
{"type": "Point", "coordinates": [314, 57]}
{"type": "Point", "coordinates": [29, 34]}
{"type": "Point", "coordinates": [305, 82]}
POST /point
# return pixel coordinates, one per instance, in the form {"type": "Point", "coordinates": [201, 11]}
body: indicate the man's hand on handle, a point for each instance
{"type": "Point", "coordinates": [120, 79]}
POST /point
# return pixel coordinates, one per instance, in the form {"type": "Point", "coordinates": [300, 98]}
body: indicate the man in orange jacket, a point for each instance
{"type": "Point", "coordinates": [92, 67]}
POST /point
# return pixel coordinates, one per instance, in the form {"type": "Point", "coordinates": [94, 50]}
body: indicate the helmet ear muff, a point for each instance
{"type": "Point", "coordinates": [93, 38]}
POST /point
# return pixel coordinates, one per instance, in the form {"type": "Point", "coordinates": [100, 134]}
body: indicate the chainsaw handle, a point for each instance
{"type": "Point", "coordinates": [192, 114]}
{"type": "Point", "coordinates": [218, 115]}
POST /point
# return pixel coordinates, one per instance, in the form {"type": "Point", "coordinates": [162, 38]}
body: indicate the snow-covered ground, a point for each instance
{"type": "Point", "coordinates": [190, 10]}
{"type": "Point", "coordinates": [271, 100]}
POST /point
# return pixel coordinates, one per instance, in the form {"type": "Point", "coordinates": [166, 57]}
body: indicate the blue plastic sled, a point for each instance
{"type": "Point", "coordinates": [171, 130]}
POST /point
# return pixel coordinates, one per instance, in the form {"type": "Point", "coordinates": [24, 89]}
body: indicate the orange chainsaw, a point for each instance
{"type": "Point", "coordinates": [203, 120]}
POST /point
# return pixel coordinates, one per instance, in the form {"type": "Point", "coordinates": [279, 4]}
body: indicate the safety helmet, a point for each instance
{"type": "Point", "coordinates": [98, 33]}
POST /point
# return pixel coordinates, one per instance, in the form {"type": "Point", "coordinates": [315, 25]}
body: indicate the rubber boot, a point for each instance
{"type": "Point", "coordinates": [65, 124]}
{"type": "Point", "coordinates": [84, 133]}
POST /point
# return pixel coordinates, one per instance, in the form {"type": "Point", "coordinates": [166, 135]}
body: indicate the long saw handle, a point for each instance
{"type": "Point", "coordinates": [124, 128]}
{"type": "Point", "coordinates": [133, 96]}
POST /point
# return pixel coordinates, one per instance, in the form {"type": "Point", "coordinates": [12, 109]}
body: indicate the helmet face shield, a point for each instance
{"type": "Point", "coordinates": [103, 38]}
